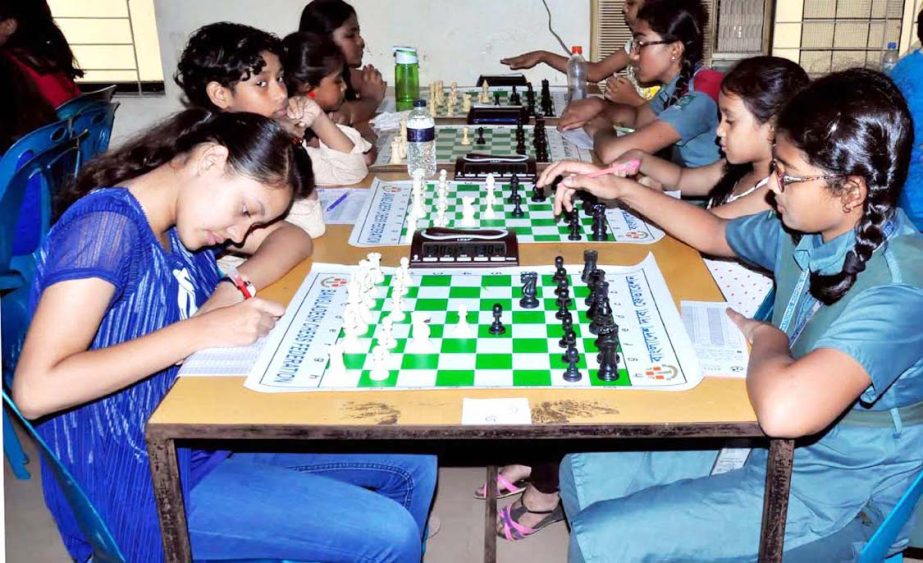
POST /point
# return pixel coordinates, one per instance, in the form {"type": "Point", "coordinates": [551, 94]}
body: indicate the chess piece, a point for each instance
{"type": "Point", "coordinates": [529, 281]}
{"type": "Point", "coordinates": [466, 103]}
{"type": "Point", "coordinates": [386, 334]}
{"type": "Point", "coordinates": [480, 140]}
{"type": "Point", "coordinates": [380, 358]}
{"type": "Point", "coordinates": [496, 98]}
{"type": "Point", "coordinates": [517, 207]}
{"type": "Point", "coordinates": [465, 140]}
{"type": "Point", "coordinates": [514, 188]}
{"type": "Point", "coordinates": [377, 275]}
{"type": "Point", "coordinates": [485, 93]}
{"type": "Point", "coordinates": [538, 194]}
{"type": "Point", "coordinates": [569, 338]}
{"type": "Point", "coordinates": [562, 308]}
{"type": "Point", "coordinates": [599, 230]}
{"type": "Point", "coordinates": [590, 257]}
{"type": "Point", "coordinates": [559, 272]}
{"type": "Point", "coordinates": [497, 327]}
{"type": "Point", "coordinates": [462, 329]}
{"type": "Point", "coordinates": [571, 356]}
{"type": "Point", "coordinates": [395, 151]}
{"type": "Point", "coordinates": [406, 277]}
{"type": "Point", "coordinates": [336, 367]}
{"type": "Point", "coordinates": [574, 225]}
{"type": "Point", "coordinates": [468, 212]}
{"type": "Point", "coordinates": [420, 342]}
{"type": "Point", "coordinates": [514, 97]}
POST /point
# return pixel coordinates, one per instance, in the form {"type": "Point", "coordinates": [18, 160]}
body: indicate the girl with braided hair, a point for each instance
{"type": "Point", "coordinates": [840, 366]}
{"type": "Point", "coordinates": [668, 48]}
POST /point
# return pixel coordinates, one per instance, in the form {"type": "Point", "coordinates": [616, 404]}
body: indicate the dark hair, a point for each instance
{"type": "Point", "coordinates": [325, 16]}
{"type": "Point", "coordinates": [258, 148]}
{"type": "Point", "coordinates": [684, 21]}
{"type": "Point", "coordinates": [25, 109]}
{"type": "Point", "coordinates": [764, 85]}
{"type": "Point", "coordinates": [38, 40]}
{"type": "Point", "coordinates": [307, 58]}
{"type": "Point", "coordinates": [223, 52]}
{"type": "Point", "coordinates": [854, 123]}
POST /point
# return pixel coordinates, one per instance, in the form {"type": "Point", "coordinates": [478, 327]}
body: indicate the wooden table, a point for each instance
{"type": "Point", "coordinates": [220, 408]}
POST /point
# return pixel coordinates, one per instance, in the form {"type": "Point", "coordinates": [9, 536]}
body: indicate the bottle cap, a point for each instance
{"type": "Point", "coordinates": [892, 45]}
{"type": "Point", "coordinates": [405, 55]}
{"type": "Point", "coordinates": [419, 103]}
{"type": "Point", "coordinates": [576, 50]}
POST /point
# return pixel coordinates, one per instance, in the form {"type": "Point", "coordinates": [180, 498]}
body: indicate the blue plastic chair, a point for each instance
{"type": "Point", "coordinates": [878, 546]}
{"type": "Point", "coordinates": [72, 107]}
{"type": "Point", "coordinates": [95, 122]}
{"type": "Point", "coordinates": [30, 145]}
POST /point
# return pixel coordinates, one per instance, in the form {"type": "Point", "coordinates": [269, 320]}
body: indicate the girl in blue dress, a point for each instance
{"type": "Point", "coordinates": [126, 288]}
{"type": "Point", "coordinates": [840, 367]}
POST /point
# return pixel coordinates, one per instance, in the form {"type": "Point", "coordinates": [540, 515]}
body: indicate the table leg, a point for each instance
{"type": "Point", "coordinates": [168, 494]}
{"type": "Point", "coordinates": [490, 516]}
{"type": "Point", "coordinates": [775, 499]}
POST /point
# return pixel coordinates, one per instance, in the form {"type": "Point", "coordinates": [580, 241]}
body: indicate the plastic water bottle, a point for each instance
{"type": "Point", "coordinates": [406, 77]}
{"type": "Point", "coordinates": [889, 58]}
{"type": "Point", "coordinates": [421, 140]}
{"type": "Point", "coordinates": [576, 75]}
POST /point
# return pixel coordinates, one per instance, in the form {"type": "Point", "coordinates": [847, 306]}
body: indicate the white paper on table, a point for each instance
{"type": "Point", "coordinates": [719, 344]}
{"type": "Point", "coordinates": [342, 205]}
{"type": "Point", "coordinates": [578, 137]}
{"type": "Point", "coordinates": [232, 362]}
{"type": "Point", "coordinates": [496, 411]}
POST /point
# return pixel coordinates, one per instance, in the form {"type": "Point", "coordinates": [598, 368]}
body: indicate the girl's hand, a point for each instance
{"type": "Point", "coordinates": [579, 112]}
{"type": "Point", "coordinates": [564, 168]}
{"type": "Point", "coordinates": [747, 326]}
{"type": "Point", "coordinates": [338, 118]}
{"type": "Point", "coordinates": [630, 163]}
{"type": "Point", "coordinates": [525, 60]}
{"type": "Point", "coordinates": [621, 91]}
{"type": "Point", "coordinates": [302, 111]}
{"type": "Point", "coordinates": [606, 187]}
{"type": "Point", "coordinates": [241, 324]}
{"type": "Point", "coordinates": [373, 87]}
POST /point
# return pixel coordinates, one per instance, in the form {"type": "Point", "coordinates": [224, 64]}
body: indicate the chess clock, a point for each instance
{"type": "Point", "coordinates": [435, 247]}
{"type": "Point", "coordinates": [498, 115]}
{"type": "Point", "coordinates": [511, 79]}
{"type": "Point", "coordinates": [475, 168]}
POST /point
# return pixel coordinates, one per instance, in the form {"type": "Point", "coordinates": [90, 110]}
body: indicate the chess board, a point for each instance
{"type": "Point", "coordinates": [499, 140]}
{"type": "Point", "coordinates": [383, 220]}
{"type": "Point", "coordinates": [558, 99]}
{"type": "Point", "coordinates": [655, 352]}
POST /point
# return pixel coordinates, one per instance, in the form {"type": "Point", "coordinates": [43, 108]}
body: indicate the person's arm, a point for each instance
{"type": "Point", "coordinates": [691, 224]}
{"type": "Point", "coordinates": [690, 181]}
{"type": "Point", "coordinates": [371, 87]}
{"type": "Point", "coordinates": [620, 90]}
{"type": "Point", "coordinates": [596, 71]}
{"type": "Point", "coordinates": [273, 250]}
{"type": "Point", "coordinates": [305, 113]}
{"type": "Point", "coordinates": [609, 145]}
{"type": "Point", "coordinates": [603, 69]}
{"type": "Point", "coordinates": [57, 371]}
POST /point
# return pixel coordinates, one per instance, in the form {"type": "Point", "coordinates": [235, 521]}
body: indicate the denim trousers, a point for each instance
{"type": "Point", "coordinates": [313, 507]}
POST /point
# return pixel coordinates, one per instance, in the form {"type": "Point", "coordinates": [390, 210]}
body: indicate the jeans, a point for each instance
{"type": "Point", "coordinates": [313, 507]}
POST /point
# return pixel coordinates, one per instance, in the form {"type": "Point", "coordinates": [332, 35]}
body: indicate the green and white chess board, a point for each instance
{"type": "Point", "coordinates": [655, 351]}
{"type": "Point", "coordinates": [558, 99]}
{"type": "Point", "coordinates": [384, 219]}
{"type": "Point", "coordinates": [499, 140]}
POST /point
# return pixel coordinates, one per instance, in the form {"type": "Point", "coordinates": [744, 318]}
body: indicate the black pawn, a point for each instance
{"type": "Point", "coordinates": [571, 356]}
{"type": "Point", "coordinates": [559, 272]}
{"type": "Point", "coordinates": [590, 258]}
{"type": "Point", "coordinates": [538, 194]}
{"type": "Point", "coordinates": [497, 326]}
{"type": "Point", "coordinates": [496, 98]}
{"type": "Point", "coordinates": [569, 338]}
{"type": "Point", "coordinates": [574, 225]}
{"type": "Point", "coordinates": [480, 140]}
{"type": "Point", "coordinates": [562, 308]}
{"type": "Point", "coordinates": [529, 281]}
{"type": "Point", "coordinates": [517, 207]}
{"type": "Point", "coordinates": [562, 287]}
{"type": "Point", "coordinates": [514, 97]}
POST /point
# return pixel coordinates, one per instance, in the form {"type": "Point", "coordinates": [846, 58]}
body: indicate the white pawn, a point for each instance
{"type": "Point", "coordinates": [462, 329]}
{"type": "Point", "coordinates": [397, 307]}
{"type": "Point", "coordinates": [386, 337]}
{"type": "Point", "coordinates": [398, 287]}
{"type": "Point", "coordinates": [420, 342]}
{"type": "Point", "coordinates": [395, 151]}
{"type": "Point", "coordinates": [465, 140]}
{"type": "Point", "coordinates": [468, 211]}
{"type": "Point", "coordinates": [380, 360]}
{"type": "Point", "coordinates": [466, 103]}
{"type": "Point", "coordinates": [406, 278]}
{"type": "Point", "coordinates": [443, 175]}
{"type": "Point", "coordinates": [489, 211]}
{"type": "Point", "coordinates": [441, 219]}
{"type": "Point", "coordinates": [336, 368]}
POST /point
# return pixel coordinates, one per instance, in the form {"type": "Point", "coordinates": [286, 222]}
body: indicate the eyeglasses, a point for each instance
{"type": "Point", "coordinates": [785, 180]}
{"type": "Point", "coordinates": [638, 44]}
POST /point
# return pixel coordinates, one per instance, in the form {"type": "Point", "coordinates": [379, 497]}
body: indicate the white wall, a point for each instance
{"type": "Point", "coordinates": [457, 39]}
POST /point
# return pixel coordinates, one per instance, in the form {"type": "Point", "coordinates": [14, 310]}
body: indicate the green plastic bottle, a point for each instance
{"type": "Point", "coordinates": [406, 77]}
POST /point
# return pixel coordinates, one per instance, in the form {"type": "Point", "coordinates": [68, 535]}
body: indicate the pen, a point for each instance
{"type": "Point", "coordinates": [338, 201]}
{"type": "Point", "coordinates": [242, 284]}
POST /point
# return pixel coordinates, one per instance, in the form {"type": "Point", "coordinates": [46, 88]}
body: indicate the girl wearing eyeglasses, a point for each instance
{"type": "Point", "coordinates": [839, 367]}
{"type": "Point", "coordinates": [668, 48]}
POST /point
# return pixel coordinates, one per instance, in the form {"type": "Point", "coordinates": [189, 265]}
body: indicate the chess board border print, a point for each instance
{"type": "Point", "coordinates": [383, 219]}
{"type": "Point", "coordinates": [656, 352]}
{"type": "Point", "coordinates": [558, 99]}
{"type": "Point", "coordinates": [449, 147]}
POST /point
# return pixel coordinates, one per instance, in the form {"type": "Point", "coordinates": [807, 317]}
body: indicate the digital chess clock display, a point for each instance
{"type": "Point", "coordinates": [437, 247]}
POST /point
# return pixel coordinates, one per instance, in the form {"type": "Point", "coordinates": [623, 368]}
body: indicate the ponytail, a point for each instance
{"type": "Point", "coordinates": [684, 21]}
{"type": "Point", "coordinates": [854, 123]}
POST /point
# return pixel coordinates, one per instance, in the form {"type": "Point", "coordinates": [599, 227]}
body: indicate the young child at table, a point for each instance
{"type": "Point", "coordinates": [668, 48]}
{"type": "Point", "coordinates": [126, 288]}
{"type": "Point", "coordinates": [233, 67]}
{"type": "Point", "coordinates": [365, 87]}
{"type": "Point", "coordinates": [314, 69]}
{"type": "Point", "coordinates": [619, 89]}
{"type": "Point", "coordinates": [841, 364]}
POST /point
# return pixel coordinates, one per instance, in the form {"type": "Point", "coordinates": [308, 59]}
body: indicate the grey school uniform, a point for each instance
{"type": "Point", "coordinates": [664, 506]}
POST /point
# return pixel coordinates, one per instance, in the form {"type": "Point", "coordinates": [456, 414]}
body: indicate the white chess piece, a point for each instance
{"type": "Point", "coordinates": [441, 219]}
{"type": "Point", "coordinates": [489, 212]}
{"type": "Point", "coordinates": [403, 148]}
{"type": "Point", "coordinates": [466, 103]}
{"type": "Point", "coordinates": [420, 342]}
{"type": "Point", "coordinates": [403, 128]}
{"type": "Point", "coordinates": [336, 368]}
{"type": "Point", "coordinates": [462, 329]}
{"type": "Point", "coordinates": [406, 277]}
{"type": "Point", "coordinates": [395, 151]}
{"type": "Point", "coordinates": [352, 330]}
{"type": "Point", "coordinates": [465, 140]}
{"type": "Point", "coordinates": [468, 212]}
{"type": "Point", "coordinates": [374, 259]}
{"type": "Point", "coordinates": [443, 176]}
{"type": "Point", "coordinates": [386, 334]}
{"type": "Point", "coordinates": [380, 360]}
{"type": "Point", "coordinates": [397, 307]}
{"type": "Point", "coordinates": [485, 93]}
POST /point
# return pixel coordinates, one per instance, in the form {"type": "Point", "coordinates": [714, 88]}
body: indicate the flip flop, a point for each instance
{"type": "Point", "coordinates": [504, 488]}
{"type": "Point", "coordinates": [514, 531]}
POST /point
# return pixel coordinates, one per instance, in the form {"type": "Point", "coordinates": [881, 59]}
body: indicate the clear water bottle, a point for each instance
{"type": "Point", "coordinates": [889, 58]}
{"type": "Point", "coordinates": [421, 140]}
{"type": "Point", "coordinates": [576, 75]}
{"type": "Point", "coordinates": [406, 77]}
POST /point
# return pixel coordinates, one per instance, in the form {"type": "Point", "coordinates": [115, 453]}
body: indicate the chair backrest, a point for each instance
{"type": "Point", "coordinates": [96, 121]}
{"type": "Point", "coordinates": [91, 525]}
{"type": "Point", "coordinates": [876, 549]}
{"type": "Point", "coordinates": [30, 145]}
{"type": "Point", "coordinates": [73, 106]}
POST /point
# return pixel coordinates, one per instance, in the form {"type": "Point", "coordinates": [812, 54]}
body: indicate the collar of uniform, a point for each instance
{"type": "Point", "coordinates": [813, 254]}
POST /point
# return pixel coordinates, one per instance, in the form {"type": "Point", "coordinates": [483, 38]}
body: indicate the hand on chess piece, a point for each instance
{"type": "Point", "coordinates": [578, 113]}
{"type": "Point", "coordinates": [621, 91]}
{"type": "Point", "coordinates": [525, 60]}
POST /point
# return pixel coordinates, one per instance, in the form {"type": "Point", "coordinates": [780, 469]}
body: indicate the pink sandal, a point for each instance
{"type": "Point", "coordinates": [504, 488]}
{"type": "Point", "coordinates": [513, 530]}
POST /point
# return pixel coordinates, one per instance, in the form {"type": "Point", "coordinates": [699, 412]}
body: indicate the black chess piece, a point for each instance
{"type": "Point", "coordinates": [514, 188]}
{"type": "Point", "coordinates": [517, 207]}
{"type": "Point", "coordinates": [602, 314]}
{"type": "Point", "coordinates": [609, 365]}
{"type": "Point", "coordinates": [572, 356]}
{"type": "Point", "coordinates": [590, 258]}
{"type": "Point", "coordinates": [480, 140]}
{"type": "Point", "coordinates": [559, 272]}
{"type": "Point", "coordinates": [514, 97]}
{"type": "Point", "coordinates": [568, 339]}
{"type": "Point", "coordinates": [562, 287]}
{"type": "Point", "coordinates": [529, 281]}
{"type": "Point", "coordinates": [497, 327]}
{"type": "Point", "coordinates": [521, 147]}
{"type": "Point", "coordinates": [574, 225]}
{"type": "Point", "coordinates": [496, 98]}
{"type": "Point", "coordinates": [562, 308]}
{"type": "Point", "coordinates": [599, 229]}
{"type": "Point", "coordinates": [554, 183]}
{"type": "Point", "coordinates": [538, 194]}
{"type": "Point", "coordinates": [593, 283]}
